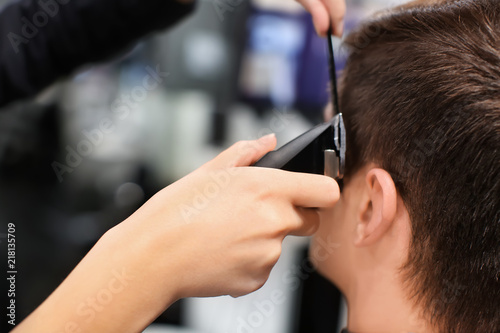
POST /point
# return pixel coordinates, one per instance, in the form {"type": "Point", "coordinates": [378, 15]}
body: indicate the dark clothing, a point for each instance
{"type": "Point", "coordinates": [42, 40]}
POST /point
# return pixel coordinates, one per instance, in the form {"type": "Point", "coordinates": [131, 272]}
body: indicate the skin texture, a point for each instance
{"type": "Point", "coordinates": [372, 229]}
{"type": "Point", "coordinates": [326, 12]}
{"type": "Point", "coordinates": [323, 12]}
{"type": "Point", "coordinates": [405, 111]}
{"type": "Point", "coordinates": [216, 231]}
{"type": "Point", "coordinates": [371, 226]}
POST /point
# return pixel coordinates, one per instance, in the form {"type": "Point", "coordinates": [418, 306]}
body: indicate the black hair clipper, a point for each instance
{"type": "Point", "coordinates": [320, 150]}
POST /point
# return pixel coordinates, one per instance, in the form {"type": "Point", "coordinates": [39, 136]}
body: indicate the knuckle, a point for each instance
{"type": "Point", "coordinates": [274, 219]}
{"type": "Point", "coordinates": [244, 146]}
{"type": "Point", "coordinates": [252, 184]}
{"type": "Point", "coordinates": [240, 147]}
{"type": "Point", "coordinates": [259, 282]}
{"type": "Point", "coordinates": [274, 255]}
{"type": "Point", "coordinates": [318, 7]}
{"type": "Point", "coordinates": [240, 144]}
{"type": "Point", "coordinates": [266, 187]}
{"type": "Point", "coordinates": [250, 286]}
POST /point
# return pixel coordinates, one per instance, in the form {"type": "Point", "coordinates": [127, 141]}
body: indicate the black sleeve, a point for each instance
{"type": "Point", "coordinates": [41, 40]}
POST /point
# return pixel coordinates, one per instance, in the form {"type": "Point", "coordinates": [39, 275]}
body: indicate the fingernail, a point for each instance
{"type": "Point", "coordinates": [267, 138]}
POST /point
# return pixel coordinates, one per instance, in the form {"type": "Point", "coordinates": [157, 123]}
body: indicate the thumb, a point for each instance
{"type": "Point", "coordinates": [244, 153]}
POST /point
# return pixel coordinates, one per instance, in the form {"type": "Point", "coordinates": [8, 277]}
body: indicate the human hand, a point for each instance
{"type": "Point", "coordinates": [216, 231]}
{"type": "Point", "coordinates": [222, 226]}
{"type": "Point", "coordinates": [326, 12]}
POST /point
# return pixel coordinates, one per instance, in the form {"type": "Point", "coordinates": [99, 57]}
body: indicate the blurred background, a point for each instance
{"type": "Point", "coordinates": [88, 151]}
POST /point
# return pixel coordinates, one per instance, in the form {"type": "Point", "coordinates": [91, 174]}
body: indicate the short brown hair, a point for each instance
{"type": "Point", "coordinates": [421, 98]}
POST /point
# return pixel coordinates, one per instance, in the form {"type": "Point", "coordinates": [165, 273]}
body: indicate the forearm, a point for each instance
{"type": "Point", "coordinates": [113, 289]}
{"type": "Point", "coordinates": [172, 247]}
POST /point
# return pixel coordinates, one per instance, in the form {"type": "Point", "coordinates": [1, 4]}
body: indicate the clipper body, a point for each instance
{"type": "Point", "coordinates": [320, 150]}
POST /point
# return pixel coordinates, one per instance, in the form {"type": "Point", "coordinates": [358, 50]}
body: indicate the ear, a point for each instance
{"type": "Point", "coordinates": [378, 207]}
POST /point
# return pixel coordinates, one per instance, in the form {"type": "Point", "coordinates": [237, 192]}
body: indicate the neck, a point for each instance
{"type": "Point", "coordinates": [377, 303]}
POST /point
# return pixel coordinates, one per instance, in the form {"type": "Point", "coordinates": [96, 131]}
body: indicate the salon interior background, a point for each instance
{"type": "Point", "coordinates": [121, 131]}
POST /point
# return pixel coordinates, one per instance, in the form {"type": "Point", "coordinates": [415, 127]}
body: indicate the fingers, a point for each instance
{"type": "Point", "coordinates": [295, 197]}
{"type": "Point", "coordinates": [328, 112]}
{"type": "Point", "coordinates": [244, 153]}
{"type": "Point", "coordinates": [249, 152]}
{"type": "Point", "coordinates": [319, 13]}
{"type": "Point", "coordinates": [325, 11]}
{"type": "Point", "coordinates": [308, 222]}
{"type": "Point", "coordinates": [337, 8]}
{"type": "Point", "coordinates": [308, 190]}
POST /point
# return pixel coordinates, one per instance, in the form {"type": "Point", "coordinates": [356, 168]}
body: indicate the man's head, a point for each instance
{"type": "Point", "coordinates": [421, 101]}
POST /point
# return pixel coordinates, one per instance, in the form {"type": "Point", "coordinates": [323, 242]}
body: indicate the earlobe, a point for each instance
{"type": "Point", "coordinates": [378, 208]}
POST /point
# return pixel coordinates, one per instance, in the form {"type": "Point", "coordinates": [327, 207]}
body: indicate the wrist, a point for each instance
{"type": "Point", "coordinates": [150, 267]}
{"type": "Point", "coordinates": [113, 289]}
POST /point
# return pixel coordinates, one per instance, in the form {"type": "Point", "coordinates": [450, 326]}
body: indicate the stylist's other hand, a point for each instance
{"type": "Point", "coordinates": [220, 228]}
{"type": "Point", "coordinates": [325, 11]}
